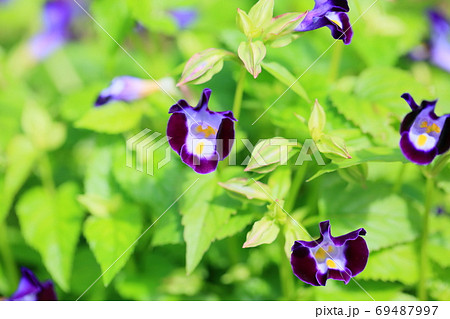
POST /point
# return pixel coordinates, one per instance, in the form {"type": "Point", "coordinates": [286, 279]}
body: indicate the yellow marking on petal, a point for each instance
{"type": "Point", "coordinates": [430, 128]}
{"type": "Point", "coordinates": [208, 131]}
{"type": "Point", "coordinates": [321, 253]}
{"type": "Point", "coordinates": [331, 264]}
{"type": "Point", "coordinates": [199, 148]}
{"type": "Point", "coordinates": [338, 23]}
{"type": "Point", "coordinates": [422, 139]}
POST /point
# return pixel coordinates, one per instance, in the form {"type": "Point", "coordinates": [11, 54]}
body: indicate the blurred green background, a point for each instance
{"type": "Point", "coordinates": [70, 206]}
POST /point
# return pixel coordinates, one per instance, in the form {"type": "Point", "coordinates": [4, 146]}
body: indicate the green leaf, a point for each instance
{"type": "Point", "coordinates": [202, 66]}
{"type": "Point", "coordinates": [244, 23]}
{"type": "Point", "coordinates": [398, 263]}
{"type": "Point", "coordinates": [284, 76]}
{"type": "Point", "coordinates": [264, 231]}
{"type": "Point", "coordinates": [270, 153]}
{"type": "Point", "coordinates": [201, 218]}
{"type": "Point", "coordinates": [111, 119]}
{"type": "Point", "coordinates": [21, 156]}
{"type": "Point", "coordinates": [293, 231]}
{"type": "Point", "coordinates": [317, 121]}
{"type": "Point", "coordinates": [374, 154]}
{"type": "Point", "coordinates": [439, 241]}
{"type": "Point", "coordinates": [282, 25]}
{"type": "Point", "coordinates": [261, 13]}
{"type": "Point", "coordinates": [40, 128]}
{"type": "Point", "coordinates": [332, 147]}
{"type": "Point", "coordinates": [235, 224]}
{"type": "Point", "coordinates": [388, 219]}
{"type": "Point", "coordinates": [355, 174]}
{"type": "Point", "coordinates": [248, 188]}
{"type": "Point", "coordinates": [280, 182]}
{"type": "Point", "coordinates": [51, 224]}
{"type": "Point", "coordinates": [111, 238]}
{"type": "Point", "coordinates": [252, 54]}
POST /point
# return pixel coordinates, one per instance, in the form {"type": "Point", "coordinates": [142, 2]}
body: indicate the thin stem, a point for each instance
{"type": "Point", "coordinates": [336, 61]}
{"type": "Point", "coordinates": [239, 93]}
{"type": "Point", "coordinates": [286, 275]}
{"type": "Point", "coordinates": [45, 170]}
{"type": "Point", "coordinates": [7, 257]}
{"type": "Point", "coordinates": [295, 187]}
{"type": "Point", "coordinates": [423, 262]}
{"type": "Point", "coordinates": [399, 180]}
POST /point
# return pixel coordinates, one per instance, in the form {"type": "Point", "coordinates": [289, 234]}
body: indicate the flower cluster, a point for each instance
{"type": "Point", "coordinates": [339, 258]}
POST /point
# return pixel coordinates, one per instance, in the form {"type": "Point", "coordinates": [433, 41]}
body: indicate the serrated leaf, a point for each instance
{"type": "Point", "coordinates": [252, 54]}
{"type": "Point", "coordinates": [112, 119]}
{"type": "Point", "coordinates": [374, 154]}
{"type": "Point", "coordinates": [264, 231]}
{"type": "Point", "coordinates": [398, 263]}
{"type": "Point", "coordinates": [203, 65]}
{"type": "Point", "coordinates": [388, 219]}
{"type": "Point", "coordinates": [51, 224]}
{"type": "Point", "coordinates": [284, 76]}
{"type": "Point", "coordinates": [201, 218]}
{"type": "Point", "coordinates": [110, 237]}
{"type": "Point", "coordinates": [270, 153]}
{"type": "Point", "coordinates": [248, 188]}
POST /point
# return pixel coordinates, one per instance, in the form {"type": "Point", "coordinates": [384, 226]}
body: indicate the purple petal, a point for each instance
{"type": "Point", "coordinates": [226, 137]}
{"type": "Point", "coordinates": [444, 140]}
{"type": "Point", "coordinates": [48, 292]}
{"type": "Point", "coordinates": [409, 99]}
{"type": "Point", "coordinates": [44, 44]}
{"type": "Point", "coordinates": [304, 265]}
{"type": "Point", "coordinates": [180, 106]}
{"type": "Point", "coordinates": [342, 240]}
{"type": "Point", "coordinates": [413, 154]}
{"type": "Point", "coordinates": [57, 15]}
{"type": "Point", "coordinates": [177, 131]}
{"type": "Point", "coordinates": [204, 100]}
{"type": "Point", "coordinates": [28, 288]}
{"type": "Point", "coordinates": [408, 121]}
{"type": "Point", "coordinates": [357, 254]}
{"type": "Point", "coordinates": [199, 165]}
{"type": "Point", "coordinates": [184, 17]}
{"type": "Point", "coordinates": [342, 275]}
{"type": "Point", "coordinates": [345, 33]}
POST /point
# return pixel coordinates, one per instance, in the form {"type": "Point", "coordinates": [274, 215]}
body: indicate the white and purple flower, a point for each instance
{"type": "Point", "coordinates": [200, 136]}
{"type": "Point", "coordinates": [339, 258]}
{"type": "Point", "coordinates": [30, 289]}
{"type": "Point", "coordinates": [331, 14]}
{"type": "Point", "coordinates": [424, 134]}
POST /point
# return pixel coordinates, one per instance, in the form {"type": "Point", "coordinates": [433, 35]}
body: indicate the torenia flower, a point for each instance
{"type": "Point", "coordinates": [437, 48]}
{"type": "Point", "coordinates": [184, 17]}
{"type": "Point", "coordinates": [331, 14]}
{"type": "Point", "coordinates": [30, 289]}
{"type": "Point", "coordinates": [57, 16]}
{"type": "Point", "coordinates": [200, 136]}
{"type": "Point", "coordinates": [339, 258]}
{"type": "Point", "coordinates": [424, 134]}
{"type": "Point", "coordinates": [128, 88]}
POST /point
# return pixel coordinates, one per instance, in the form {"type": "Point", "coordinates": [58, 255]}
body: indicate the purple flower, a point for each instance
{"type": "Point", "coordinates": [57, 17]}
{"type": "Point", "coordinates": [437, 48]}
{"type": "Point", "coordinates": [331, 14]}
{"type": "Point", "coordinates": [339, 258]}
{"type": "Point", "coordinates": [424, 134]}
{"type": "Point", "coordinates": [184, 17]}
{"type": "Point", "coordinates": [125, 88]}
{"type": "Point", "coordinates": [30, 289]}
{"type": "Point", "coordinates": [201, 137]}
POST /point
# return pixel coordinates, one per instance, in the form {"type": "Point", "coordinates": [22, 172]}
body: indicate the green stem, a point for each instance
{"type": "Point", "coordinates": [239, 93]}
{"type": "Point", "coordinates": [423, 262]}
{"type": "Point", "coordinates": [335, 61]}
{"type": "Point", "coordinates": [7, 258]}
{"type": "Point", "coordinates": [45, 170]}
{"type": "Point", "coordinates": [286, 276]}
{"type": "Point", "coordinates": [399, 180]}
{"type": "Point", "coordinates": [295, 187]}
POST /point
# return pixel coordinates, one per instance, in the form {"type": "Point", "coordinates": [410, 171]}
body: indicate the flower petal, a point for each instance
{"type": "Point", "coordinates": [357, 254]}
{"type": "Point", "coordinates": [48, 292]}
{"type": "Point", "coordinates": [444, 140]}
{"type": "Point", "coordinates": [177, 131]}
{"type": "Point", "coordinates": [413, 154]}
{"type": "Point", "coordinates": [225, 137]}
{"type": "Point", "coordinates": [409, 99]}
{"type": "Point", "coordinates": [199, 165]}
{"type": "Point", "coordinates": [28, 288]}
{"type": "Point", "coordinates": [304, 265]}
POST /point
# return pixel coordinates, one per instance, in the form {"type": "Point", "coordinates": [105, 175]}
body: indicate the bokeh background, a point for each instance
{"type": "Point", "coordinates": [70, 206]}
